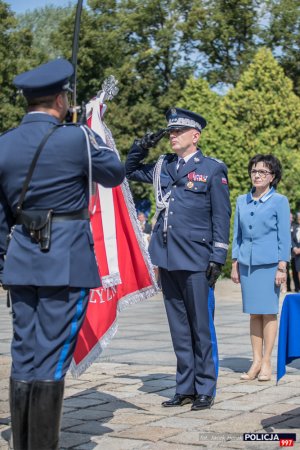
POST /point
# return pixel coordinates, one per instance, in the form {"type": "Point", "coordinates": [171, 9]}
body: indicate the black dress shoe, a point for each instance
{"type": "Point", "coordinates": [179, 400]}
{"type": "Point", "coordinates": [202, 402]}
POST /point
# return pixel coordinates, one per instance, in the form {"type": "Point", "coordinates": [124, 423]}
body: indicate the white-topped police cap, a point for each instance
{"type": "Point", "coordinates": [46, 79]}
{"type": "Point", "coordinates": [182, 118]}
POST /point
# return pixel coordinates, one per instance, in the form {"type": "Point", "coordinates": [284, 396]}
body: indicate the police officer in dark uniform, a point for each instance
{"type": "Point", "coordinates": [189, 245]}
{"type": "Point", "coordinates": [50, 263]}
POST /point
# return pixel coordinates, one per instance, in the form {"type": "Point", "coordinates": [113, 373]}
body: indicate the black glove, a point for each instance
{"type": "Point", "coordinates": [151, 139]}
{"type": "Point", "coordinates": [213, 272]}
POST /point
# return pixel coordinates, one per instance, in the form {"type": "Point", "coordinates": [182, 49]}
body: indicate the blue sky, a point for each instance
{"type": "Point", "coordinates": [20, 6]}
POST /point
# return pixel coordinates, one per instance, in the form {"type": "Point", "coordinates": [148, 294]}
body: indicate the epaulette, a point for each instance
{"type": "Point", "coordinates": [215, 159]}
{"type": "Point", "coordinates": [7, 131]}
{"type": "Point", "coordinates": [68, 124]}
{"type": "Point", "coordinates": [92, 138]}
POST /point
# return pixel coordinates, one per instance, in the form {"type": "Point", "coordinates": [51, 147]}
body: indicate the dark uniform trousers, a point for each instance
{"type": "Point", "coordinates": [46, 322]}
{"type": "Point", "coordinates": [190, 309]}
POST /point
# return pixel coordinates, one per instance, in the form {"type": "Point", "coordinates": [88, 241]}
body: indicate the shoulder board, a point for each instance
{"type": "Point", "coordinates": [215, 159]}
{"type": "Point", "coordinates": [92, 138]}
{"type": "Point", "coordinates": [7, 131]}
{"type": "Point", "coordinates": [71, 124]}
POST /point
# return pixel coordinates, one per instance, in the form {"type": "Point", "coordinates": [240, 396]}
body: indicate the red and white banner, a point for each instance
{"type": "Point", "coordinates": [123, 260]}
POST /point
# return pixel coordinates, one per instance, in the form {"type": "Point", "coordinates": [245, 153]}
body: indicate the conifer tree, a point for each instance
{"type": "Point", "coordinates": [16, 56]}
{"type": "Point", "coordinates": [260, 115]}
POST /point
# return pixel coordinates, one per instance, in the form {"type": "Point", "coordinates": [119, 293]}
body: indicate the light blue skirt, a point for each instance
{"type": "Point", "coordinates": [259, 292]}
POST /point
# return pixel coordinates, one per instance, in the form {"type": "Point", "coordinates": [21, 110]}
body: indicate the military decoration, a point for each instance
{"type": "Point", "coordinates": [193, 176]}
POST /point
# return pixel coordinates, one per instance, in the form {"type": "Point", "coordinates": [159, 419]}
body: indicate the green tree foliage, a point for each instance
{"type": "Point", "coordinates": [15, 56]}
{"type": "Point", "coordinates": [283, 36]}
{"type": "Point", "coordinates": [140, 43]}
{"type": "Point", "coordinates": [43, 23]}
{"type": "Point", "coordinates": [198, 96]}
{"type": "Point", "coordinates": [170, 52]}
{"type": "Point", "coordinates": [223, 35]}
{"type": "Point", "coordinates": [260, 115]}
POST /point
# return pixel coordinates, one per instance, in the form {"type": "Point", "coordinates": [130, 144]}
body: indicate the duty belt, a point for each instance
{"type": "Point", "coordinates": [81, 214]}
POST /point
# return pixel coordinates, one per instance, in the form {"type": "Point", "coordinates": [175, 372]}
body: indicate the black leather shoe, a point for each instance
{"type": "Point", "coordinates": [202, 402]}
{"type": "Point", "coordinates": [179, 400]}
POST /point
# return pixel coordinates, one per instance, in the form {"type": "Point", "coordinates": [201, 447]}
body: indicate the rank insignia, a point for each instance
{"type": "Point", "coordinates": [190, 184]}
{"type": "Point", "coordinates": [196, 159]}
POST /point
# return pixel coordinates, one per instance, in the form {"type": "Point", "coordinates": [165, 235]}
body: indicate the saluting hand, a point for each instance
{"type": "Point", "coordinates": [151, 139]}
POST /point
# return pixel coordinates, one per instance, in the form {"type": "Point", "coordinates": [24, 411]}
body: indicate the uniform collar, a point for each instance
{"type": "Point", "coordinates": [263, 199]}
{"type": "Point", "coordinates": [188, 157]}
{"type": "Point", "coordinates": [191, 164]}
{"type": "Point", "coordinates": [39, 117]}
{"type": "Point", "coordinates": [195, 158]}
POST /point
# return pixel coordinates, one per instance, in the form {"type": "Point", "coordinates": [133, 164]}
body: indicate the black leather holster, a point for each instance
{"type": "Point", "coordinates": [38, 224]}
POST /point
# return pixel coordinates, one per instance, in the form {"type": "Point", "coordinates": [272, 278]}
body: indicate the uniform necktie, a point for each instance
{"type": "Point", "coordinates": [180, 165]}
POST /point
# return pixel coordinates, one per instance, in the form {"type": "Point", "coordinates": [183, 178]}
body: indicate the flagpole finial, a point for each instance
{"type": "Point", "coordinates": [109, 88]}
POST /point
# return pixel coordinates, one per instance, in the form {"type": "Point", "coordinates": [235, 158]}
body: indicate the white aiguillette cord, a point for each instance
{"type": "Point", "coordinates": [162, 201]}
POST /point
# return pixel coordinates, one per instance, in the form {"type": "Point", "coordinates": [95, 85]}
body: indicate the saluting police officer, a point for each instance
{"type": "Point", "coordinates": [189, 245]}
{"type": "Point", "coordinates": [50, 263]}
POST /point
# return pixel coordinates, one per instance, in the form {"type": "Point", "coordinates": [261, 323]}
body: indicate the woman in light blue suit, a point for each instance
{"type": "Point", "coordinates": [260, 252]}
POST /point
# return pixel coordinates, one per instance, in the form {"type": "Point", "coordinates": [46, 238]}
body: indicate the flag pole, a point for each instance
{"type": "Point", "coordinates": [74, 58]}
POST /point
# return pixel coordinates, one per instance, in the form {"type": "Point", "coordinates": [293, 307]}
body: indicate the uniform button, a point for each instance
{"type": "Point", "coordinates": [255, 203]}
{"type": "Point", "coordinates": [252, 213]}
{"type": "Point", "coordinates": [170, 226]}
{"type": "Point", "coordinates": [171, 213]}
{"type": "Point", "coordinates": [250, 226]}
{"type": "Point", "coordinates": [175, 185]}
{"type": "Point", "coordinates": [251, 239]}
{"type": "Point", "coordinates": [172, 199]}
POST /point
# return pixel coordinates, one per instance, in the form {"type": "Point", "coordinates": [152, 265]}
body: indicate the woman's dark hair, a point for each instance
{"type": "Point", "coordinates": [271, 162]}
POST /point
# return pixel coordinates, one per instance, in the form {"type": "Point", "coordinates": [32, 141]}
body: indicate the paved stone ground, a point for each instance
{"type": "Point", "coordinates": [116, 404]}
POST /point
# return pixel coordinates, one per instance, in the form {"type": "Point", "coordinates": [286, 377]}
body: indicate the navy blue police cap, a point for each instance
{"type": "Point", "coordinates": [182, 118]}
{"type": "Point", "coordinates": [47, 79]}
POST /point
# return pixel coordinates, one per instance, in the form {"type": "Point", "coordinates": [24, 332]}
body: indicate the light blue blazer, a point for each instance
{"type": "Point", "coordinates": [262, 229]}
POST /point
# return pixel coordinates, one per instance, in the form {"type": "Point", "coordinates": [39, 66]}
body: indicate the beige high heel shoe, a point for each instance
{"type": "Point", "coordinates": [251, 374]}
{"type": "Point", "coordinates": [265, 374]}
